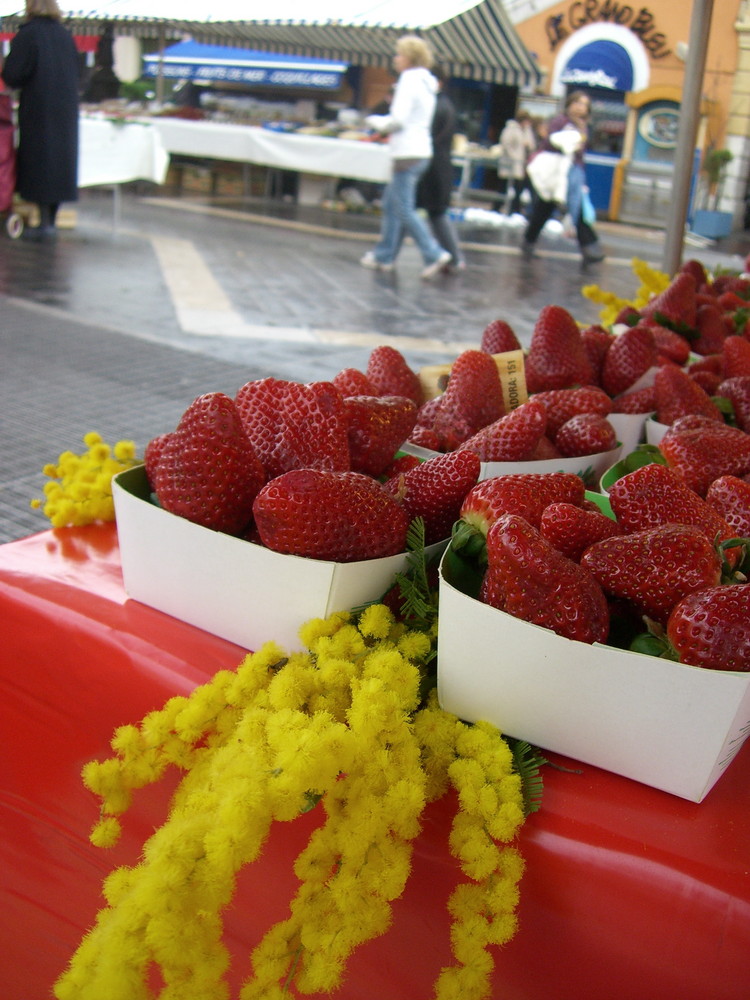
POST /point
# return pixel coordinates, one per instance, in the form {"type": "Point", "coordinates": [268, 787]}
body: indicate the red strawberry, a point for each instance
{"type": "Point", "coordinates": [353, 382]}
{"type": "Point", "coordinates": [638, 401]}
{"type": "Point", "coordinates": [654, 495]}
{"type": "Point", "coordinates": [678, 395]}
{"type": "Point", "coordinates": [630, 356]}
{"type": "Point", "coordinates": [512, 438]}
{"type": "Point", "coordinates": [524, 493]}
{"type": "Point", "coordinates": [708, 381]}
{"type": "Point", "coordinates": [737, 391]}
{"type": "Point", "coordinates": [675, 307]}
{"type": "Point", "coordinates": [730, 301]}
{"type": "Point", "coordinates": [585, 434]}
{"type": "Point", "coordinates": [425, 437]}
{"type": "Point", "coordinates": [628, 315]}
{"type": "Point", "coordinates": [697, 270]}
{"type": "Point", "coordinates": [377, 427]}
{"type": "Point", "coordinates": [208, 472]}
{"type": "Point", "coordinates": [712, 331]}
{"type": "Point", "coordinates": [655, 567]}
{"type": "Point", "coordinates": [562, 404]}
{"type": "Point", "coordinates": [473, 398]}
{"type": "Point", "coordinates": [596, 340]}
{"type": "Point", "coordinates": [735, 356]}
{"type": "Point", "coordinates": [498, 337]}
{"type": "Point", "coordinates": [670, 345]}
{"type": "Point", "coordinates": [340, 516]}
{"type": "Point", "coordinates": [434, 490]}
{"type": "Point", "coordinates": [390, 374]}
{"type": "Point", "coordinates": [152, 456]}
{"type": "Point", "coordinates": [545, 450]}
{"type": "Point", "coordinates": [730, 496]}
{"type": "Point", "coordinates": [711, 628]}
{"type": "Point", "coordinates": [399, 465]}
{"type": "Point", "coordinates": [709, 363]}
{"type": "Point", "coordinates": [557, 356]}
{"type": "Point", "coordinates": [702, 454]}
{"type": "Point", "coordinates": [572, 529]}
{"type": "Point", "coordinates": [294, 426]}
{"type": "Point", "coordinates": [528, 578]}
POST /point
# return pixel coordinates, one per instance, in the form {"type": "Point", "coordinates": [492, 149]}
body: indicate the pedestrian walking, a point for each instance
{"type": "Point", "coordinates": [517, 144]}
{"type": "Point", "coordinates": [408, 126]}
{"type": "Point", "coordinates": [43, 65]}
{"type": "Point", "coordinates": [558, 177]}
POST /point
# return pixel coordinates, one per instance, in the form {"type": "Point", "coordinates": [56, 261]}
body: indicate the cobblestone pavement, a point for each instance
{"type": "Point", "coordinates": [148, 302]}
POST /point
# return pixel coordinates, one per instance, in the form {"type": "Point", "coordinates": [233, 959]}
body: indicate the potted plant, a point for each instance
{"type": "Point", "coordinates": [709, 221]}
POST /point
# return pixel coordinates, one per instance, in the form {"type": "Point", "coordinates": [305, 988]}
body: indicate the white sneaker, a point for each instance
{"type": "Point", "coordinates": [437, 265]}
{"type": "Point", "coordinates": [370, 260]}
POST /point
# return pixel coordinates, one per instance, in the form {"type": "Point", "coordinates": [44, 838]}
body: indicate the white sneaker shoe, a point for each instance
{"type": "Point", "coordinates": [437, 265]}
{"type": "Point", "coordinates": [370, 261]}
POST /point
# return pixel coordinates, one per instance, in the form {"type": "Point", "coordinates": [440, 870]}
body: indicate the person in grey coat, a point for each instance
{"type": "Point", "coordinates": [43, 66]}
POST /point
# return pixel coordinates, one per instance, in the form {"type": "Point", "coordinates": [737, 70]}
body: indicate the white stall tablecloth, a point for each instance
{"type": "Point", "coordinates": [117, 153]}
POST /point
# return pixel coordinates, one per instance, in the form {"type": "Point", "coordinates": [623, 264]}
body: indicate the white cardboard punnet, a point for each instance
{"type": "Point", "coordinates": [230, 587]}
{"type": "Point", "coordinates": [666, 724]}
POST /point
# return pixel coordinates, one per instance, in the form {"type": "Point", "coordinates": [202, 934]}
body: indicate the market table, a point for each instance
{"type": "Point", "coordinates": [629, 893]}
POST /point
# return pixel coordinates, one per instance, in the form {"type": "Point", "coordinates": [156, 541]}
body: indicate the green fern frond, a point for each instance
{"type": "Point", "coordinates": [528, 762]}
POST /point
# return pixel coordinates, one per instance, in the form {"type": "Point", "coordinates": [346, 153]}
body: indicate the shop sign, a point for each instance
{"type": "Point", "coordinates": [255, 75]}
{"type": "Point", "coordinates": [582, 12]}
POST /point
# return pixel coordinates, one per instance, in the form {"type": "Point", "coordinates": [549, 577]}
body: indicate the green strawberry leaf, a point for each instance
{"type": "Point", "coordinates": [678, 325]}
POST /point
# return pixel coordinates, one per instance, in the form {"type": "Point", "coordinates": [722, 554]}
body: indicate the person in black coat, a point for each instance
{"type": "Point", "coordinates": [43, 65]}
{"type": "Point", "coordinates": [436, 185]}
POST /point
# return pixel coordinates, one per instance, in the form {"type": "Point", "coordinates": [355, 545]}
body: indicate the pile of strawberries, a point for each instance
{"type": "Point", "coordinates": [309, 469]}
{"type": "Point", "coordinates": [671, 562]}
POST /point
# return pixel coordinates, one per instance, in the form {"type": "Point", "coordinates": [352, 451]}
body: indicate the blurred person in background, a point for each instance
{"type": "Point", "coordinates": [43, 66]}
{"type": "Point", "coordinates": [408, 127]}
{"type": "Point", "coordinates": [518, 142]}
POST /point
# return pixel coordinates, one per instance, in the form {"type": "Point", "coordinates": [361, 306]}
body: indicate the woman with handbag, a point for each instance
{"type": "Point", "coordinates": [558, 178]}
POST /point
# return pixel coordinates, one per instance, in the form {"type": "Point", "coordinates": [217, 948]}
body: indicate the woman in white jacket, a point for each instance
{"type": "Point", "coordinates": [408, 126]}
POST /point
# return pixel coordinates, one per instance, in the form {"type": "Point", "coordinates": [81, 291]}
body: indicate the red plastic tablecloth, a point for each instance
{"type": "Point", "coordinates": [629, 893]}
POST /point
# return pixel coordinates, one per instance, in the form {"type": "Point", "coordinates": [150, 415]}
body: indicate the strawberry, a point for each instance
{"type": "Point", "coordinates": [654, 494]}
{"type": "Point", "coordinates": [512, 438]}
{"type": "Point", "coordinates": [655, 567]}
{"type": "Point", "coordinates": [498, 337]}
{"type": "Point", "coordinates": [702, 454]}
{"type": "Point", "coordinates": [528, 578]}
{"type": "Point", "coordinates": [322, 514]}
{"type": "Point", "coordinates": [669, 345]}
{"type": "Point", "coordinates": [562, 404]}
{"type": "Point", "coordinates": [735, 356]}
{"type": "Point", "coordinates": [708, 381]}
{"type": "Point", "coordinates": [473, 398]}
{"type": "Point", "coordinates": [585, 434]}
{"type": "Point", "coordinates": [630, 356]}
{"type": "Point", "coordinates": [207, 471]}
{"type": "Point", "coordinates": [712, 331]}
{"type": "Point", "coordinates": [675, 307]}
{"type": "Point", "coordinates": [730, 496]}
{"type": "Point", "coordinates": [390, 374]}
{"type": "Point", "coordinates": [524, 493]}
{"type": "Point", "coordinates": [152, 456]}
{"type": "Point", "coordinates": [596, 341]}
{"type": "Point", "coordinates": [711, 628]}
{"type": "Point", "coordinates": [399, 465]}
{"type": "Point", "coordinates": [708, 363]}
{"type": "Point", "coordinates": [353, 382]}
{"type": "Point", "coordinates": [293, 426]}
{"type": "Point", "coordinates": [557, 357]}
{"type": "Point", "coordinates": [737, 391]}
{"type": "Point", "coordinates": [697, 270]}
{"type": "Point", "coordinates": [425, 437]}
{"type": "Point", "coordinates": [377, 426]}
{"type": "Point", "coordinates": [545, 450]}
{"type": "Point", "coordinates": [637, 401]}
{"type": "Point", "coordinates": [572, 529]}
{"type": "Point", "coordinates": [678, 395]}
{"type": "Point", "coordinates": [434, 490]}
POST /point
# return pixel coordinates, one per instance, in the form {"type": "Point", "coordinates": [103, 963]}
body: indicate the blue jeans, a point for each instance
{"type": "Point", "coordinates": [400, 213]}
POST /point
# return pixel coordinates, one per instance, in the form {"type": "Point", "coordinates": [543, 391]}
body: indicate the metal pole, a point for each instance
{"type": "Point", "coordinates": [695, 65]}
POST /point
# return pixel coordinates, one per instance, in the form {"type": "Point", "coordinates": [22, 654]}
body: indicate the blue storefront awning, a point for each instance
{"type": "Point", "coordinates": [221, 64]}
{"type": "Point", "coordinates": [602, 64]}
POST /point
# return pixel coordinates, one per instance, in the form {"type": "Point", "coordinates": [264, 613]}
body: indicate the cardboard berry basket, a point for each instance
{"type": "Point", "coordinates": [655, 431]}
{"type": "Point", "coordinates": [665, 724]}
{"type": "Point", "coordinates": [588, 467]}
{"type": "Point", "coordinates": [232, 588]}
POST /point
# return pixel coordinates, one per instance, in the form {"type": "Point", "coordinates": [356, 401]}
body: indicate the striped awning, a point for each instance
{"type": "Point", "coordinates": [476, 44]}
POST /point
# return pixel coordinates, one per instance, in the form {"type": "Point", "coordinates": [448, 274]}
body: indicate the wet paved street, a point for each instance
{"type": "Point", "coordinates": [125, 319]}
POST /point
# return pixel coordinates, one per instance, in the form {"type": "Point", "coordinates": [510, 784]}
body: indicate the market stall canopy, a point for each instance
{"type": "Point", "coordinates": [473, 41]}
{"type": "Point", "coordinates": [222, 64]}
